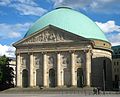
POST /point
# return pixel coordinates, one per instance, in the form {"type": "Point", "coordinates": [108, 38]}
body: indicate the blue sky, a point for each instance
{"type": "Point", "coordinates": [17, 16]}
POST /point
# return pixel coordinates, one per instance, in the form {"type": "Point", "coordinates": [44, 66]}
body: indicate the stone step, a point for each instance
{"type": "Point", "coordinates": [50, 90]}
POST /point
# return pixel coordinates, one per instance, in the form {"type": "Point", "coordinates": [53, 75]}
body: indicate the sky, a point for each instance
{"type": "Point", "coordinates": [17, 16]}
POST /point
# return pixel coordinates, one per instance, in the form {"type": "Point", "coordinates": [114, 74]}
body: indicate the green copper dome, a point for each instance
{"type": "Point", "coordinates": [69, 20]}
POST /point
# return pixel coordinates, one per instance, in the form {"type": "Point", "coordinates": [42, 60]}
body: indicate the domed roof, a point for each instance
{"type": "Point", "coordinates": [69, 20]}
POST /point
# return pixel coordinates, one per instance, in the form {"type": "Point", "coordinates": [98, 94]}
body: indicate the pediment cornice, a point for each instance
{"type": "Point", "coordinates": [50, 34]}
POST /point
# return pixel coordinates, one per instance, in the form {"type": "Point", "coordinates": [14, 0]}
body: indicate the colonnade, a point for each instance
{"type": "Point", "coordinates": [59, 79]}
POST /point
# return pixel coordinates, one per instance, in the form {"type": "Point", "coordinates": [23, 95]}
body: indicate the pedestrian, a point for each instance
{"type": "Point", "coordinates": [95, 91]}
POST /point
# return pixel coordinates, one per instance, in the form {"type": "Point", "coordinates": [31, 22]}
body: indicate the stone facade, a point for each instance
{"type": "Point", "coordinates": [53, 57]}
{"type": "Point", "coordinates": [116, 67]}
{"type": "Point", "coordinates": [12, 64]}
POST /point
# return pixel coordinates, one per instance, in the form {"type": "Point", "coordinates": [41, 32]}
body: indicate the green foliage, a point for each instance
{"type": "Point", "coordinates": [6, 73]}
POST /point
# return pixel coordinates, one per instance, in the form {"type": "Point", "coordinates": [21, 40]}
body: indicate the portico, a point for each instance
{"type": "Point", "coordinates": [60, 51]}
{"type": "Point", "coordinates": [63, 63]}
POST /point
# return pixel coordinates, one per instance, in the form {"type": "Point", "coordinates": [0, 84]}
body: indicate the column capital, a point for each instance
{"type": "Point", "coordinates": [30, 53]}
{"type": "Point", "coordinates": [17, 54]}
{"type": "Point", "coordinates": [72, 51]}
{"type": "Point", "coordinates": [44, 53]}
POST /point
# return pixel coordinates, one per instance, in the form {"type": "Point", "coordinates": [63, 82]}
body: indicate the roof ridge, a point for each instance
{"type": "Point", "coordinates": [65, 7]}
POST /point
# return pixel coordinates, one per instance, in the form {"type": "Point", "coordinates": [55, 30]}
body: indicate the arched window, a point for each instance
{"type": "Point", "coordinates": [52, 78]}
{"type": "Point", "coordinates": [25, 81]}
{"type": "Point", "coordinates": [79, 77]}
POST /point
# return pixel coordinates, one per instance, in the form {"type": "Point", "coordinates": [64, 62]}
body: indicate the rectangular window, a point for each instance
{"type": "Point", "coordinates": [114, 63]}
{"type": "Point", "coordinates": [117, 63]}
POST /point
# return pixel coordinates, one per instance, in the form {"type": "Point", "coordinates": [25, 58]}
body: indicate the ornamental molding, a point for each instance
{"type": "Point", "coordinates": [46, 37]}
{"type": "Point", "coordinates": [50, 35]}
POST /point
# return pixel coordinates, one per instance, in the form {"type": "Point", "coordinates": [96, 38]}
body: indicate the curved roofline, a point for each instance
{"type": "Point", "coordinates": [66, 7]}
{"type": "Point", "coordinates": [56, 17]}
{"type": "Point", "coordinates": [100, 40]}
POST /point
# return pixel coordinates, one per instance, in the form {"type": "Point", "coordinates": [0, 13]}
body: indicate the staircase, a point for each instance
{"type": "Point", "coordinates": [50, 90]}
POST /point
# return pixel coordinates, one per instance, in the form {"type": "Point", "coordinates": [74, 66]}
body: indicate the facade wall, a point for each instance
{"type": "Point", "coordinates": [51, 63]}
{"type": "Point", "coordinates": [101, 69]}
{"type": "Point", "coordinates": [56, 58]}
{"type": "Point", "coordinates": [115, 68]}
{"type": "Point", "coordinates": [38, 68]}
{"type": "Point", "coordinates": [96, 72]}
{"type": "Point", "coordinates": [116, 73]}
{"type": "Point", "coordinates": [13, 65]}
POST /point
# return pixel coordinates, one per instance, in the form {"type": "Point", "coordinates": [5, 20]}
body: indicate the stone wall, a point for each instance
{"type": "Point", "coordinates": [101, 61]}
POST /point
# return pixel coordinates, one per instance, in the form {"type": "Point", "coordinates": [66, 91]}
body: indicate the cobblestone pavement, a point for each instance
{"type": "Point", "coordinates": [57, 95]}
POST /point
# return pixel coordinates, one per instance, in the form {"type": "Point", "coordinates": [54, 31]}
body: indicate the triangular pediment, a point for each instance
{"type": "Point", "coordinates": [50, 34]}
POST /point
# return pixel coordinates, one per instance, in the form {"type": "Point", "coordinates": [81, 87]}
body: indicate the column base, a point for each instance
{"type": "Point", "coordinates": [73, 86]}
{"type": "Point", "coordinates": [33, 86]}
{"type": "Point", "coordinates": [19, 87]}
{"type": "Point", "coordinates": [87, 87]}
{"type": "Point", "coordinates": [60, 87]}
{"type": "Point", "coordinates": [45, 87]}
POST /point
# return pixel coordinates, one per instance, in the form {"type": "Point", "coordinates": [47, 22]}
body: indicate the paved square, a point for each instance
{"type": "Point", "coordinates": [55, 95]}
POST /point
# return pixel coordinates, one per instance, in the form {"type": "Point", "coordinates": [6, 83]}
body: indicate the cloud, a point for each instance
{"type": "Point", "coordinates": [114, 39]}
{"type": "Point", "coordinates": [29, 10]}
{"type": "Point", "coordinates": [13, 30]}
{"type": "Point", "coordinates": [24, 7]}
{"type": "Point", "coordinates": [71, 3]}
{"type": "Point", "coordinates": [28, 2]}
{"type": "Point", "coordinates": [103, 6]}
{"type": "Point", "coordinates": [112, 31]}
{"type": "Point", "coordinates": [109, 26]}
{"type": "Point", "coordinates": [14, 34]}
{"type": "Point", "coordinates": [9, 51]}
{"type": "Point", "coordinates": [4, 2]}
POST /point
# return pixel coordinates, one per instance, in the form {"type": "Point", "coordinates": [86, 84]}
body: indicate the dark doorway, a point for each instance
{"type": "Point", "coordinates": [25, 82]}
{"type": "Point", "coordinates": [116, 81]}
{"type": "Point", "coordinates": [52, 79]}
{"type": "Point", "coordinates": [79, 77]}
{"type": "Point", "coordinates": [37, 77]}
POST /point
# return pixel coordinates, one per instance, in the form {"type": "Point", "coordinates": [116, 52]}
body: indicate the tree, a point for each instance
{"type": "Point", "coordinates": [6, 73]}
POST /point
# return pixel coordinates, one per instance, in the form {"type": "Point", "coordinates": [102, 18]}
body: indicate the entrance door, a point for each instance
{"type": "Point", "coordinates": [52, 79]}
{"type": "Point", "coordinates": [117, 81]}
{"type": "Point", "coordinates": [25, 83]}
{"type": "Point", "coordinates": [79, 77]}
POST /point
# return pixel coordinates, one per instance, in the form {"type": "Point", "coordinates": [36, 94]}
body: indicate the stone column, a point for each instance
{"type": "Point", "coordinates": [59, 79]}
{"type": "Point", "coordinates": [31, 70]}
{"type": "Point", "coordinates": [45, 81]}
{"type": "Point", "coordinates": [18, 72]}
{"type": "Point", "coordinates": [88, 69]}
{"type": "Point", "coordinates": [34, 71]}
{"type": "Point", "coordinates": [73, 75]}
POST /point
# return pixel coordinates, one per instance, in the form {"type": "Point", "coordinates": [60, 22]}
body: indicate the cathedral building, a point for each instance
{"type": "Point", "coordinates": [64, 48]}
